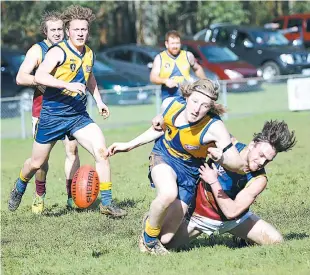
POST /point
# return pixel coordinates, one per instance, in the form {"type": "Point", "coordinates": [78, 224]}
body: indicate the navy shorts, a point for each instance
{"type": "Point", "coordinates": [186, 182]}
{"type": "Point", "coordinates": [52, 128]}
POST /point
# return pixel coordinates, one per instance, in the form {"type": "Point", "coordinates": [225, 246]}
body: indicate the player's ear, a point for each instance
{"type": "Point", "coordinates": [67, 32]}
{"type": "Point", "coordinates": [166, 44]}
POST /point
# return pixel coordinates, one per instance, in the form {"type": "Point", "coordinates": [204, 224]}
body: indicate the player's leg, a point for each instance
{"type": "Point", "coordinates": [40, 154]}
{"type": "Point", "coordinates": [92, 139]}
{"type": "Point", "coordinates": [185, 233]}
{"type": "Point", "coordinates": [164, 179]}
{"type": "Point", "coordinates": [258, 231]}
{"type": "Point", "coordinates": [173, 220]}
{"type": "Point", "coordinates": [40, 178]}
{"type": "Point", "coordinates": [72, 164]}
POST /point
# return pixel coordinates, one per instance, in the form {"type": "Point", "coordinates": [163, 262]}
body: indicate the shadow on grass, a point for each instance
{"type": "Point", "coordinates": [296, 236]}
{"type": "Point", "coordinates": [55, 211]}
{"type": "Point", "coordinates": [211, 241]}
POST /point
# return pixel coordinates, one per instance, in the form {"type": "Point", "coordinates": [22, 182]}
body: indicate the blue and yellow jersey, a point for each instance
{"type": "Point", "coordinates": [174, 67]}
{"type": "Point", "coordinates": [184, 143]}
{"type": "Point", "coordinates": [232, 183]}
{"type": "Point", "coordinates": [74, 68]}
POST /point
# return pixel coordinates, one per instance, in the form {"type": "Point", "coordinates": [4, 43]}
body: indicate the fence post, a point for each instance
{"type": "Point", "coordinates": [22, 118]}
{"type": "Point", "coordinates": [224, 96]}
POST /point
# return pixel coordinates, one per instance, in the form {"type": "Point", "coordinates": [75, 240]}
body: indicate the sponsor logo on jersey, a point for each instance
{"type": "Point", "coordinates": [191, 147]}
{"type": "Point", "coordinates": [72, 67]}
{"type": "Point", "coordinates": [88, 69]}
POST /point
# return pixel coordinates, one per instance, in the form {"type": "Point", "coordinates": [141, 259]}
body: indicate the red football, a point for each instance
{"type": "Point", "coordinates": [85, 186]}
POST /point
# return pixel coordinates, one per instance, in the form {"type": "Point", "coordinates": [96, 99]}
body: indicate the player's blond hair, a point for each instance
{"type": "Point", "coordinates": [208, 88]}
{"type": "Point", "coordinates": [75, 12]}
{"type": "Point", "coordinates": [48, 16]}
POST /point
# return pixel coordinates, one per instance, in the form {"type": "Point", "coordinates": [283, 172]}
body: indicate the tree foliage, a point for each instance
{"type": "Point", "coordinates": [140, 21]}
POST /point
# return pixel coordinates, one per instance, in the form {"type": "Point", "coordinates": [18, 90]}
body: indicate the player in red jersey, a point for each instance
{"type": "Point", "coordinates": [223, 197]}
{"type": "Point", "coordinates": [52, 29]}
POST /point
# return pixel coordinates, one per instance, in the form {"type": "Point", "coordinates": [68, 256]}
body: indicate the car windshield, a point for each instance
{"type": "Point", "coordinates": [269, 38]}
{"type": "Point", "coordinates": [100, 67]}
{"type": "Point", "coordinates": [216, 54]}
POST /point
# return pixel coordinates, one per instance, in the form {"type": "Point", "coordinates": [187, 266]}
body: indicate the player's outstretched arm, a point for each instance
{"type": "Point", "coordinates": [230, 159]}
{"type": "Point", "coordinates": [147, 137]}
{"type": "Point", "coordinates": [232, 208]}
{"type": "Point", "coordinates": [31, 61]}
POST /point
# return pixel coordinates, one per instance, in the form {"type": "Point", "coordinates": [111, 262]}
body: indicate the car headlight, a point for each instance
{"type": "Point", "coordinates": [117, 89]}
{"type": "Point", "coordinates": [297, 42]}
{"type": "Point", "coordinates": [287, 58]}
{"type": "Point", "coordinates": [233, 74]}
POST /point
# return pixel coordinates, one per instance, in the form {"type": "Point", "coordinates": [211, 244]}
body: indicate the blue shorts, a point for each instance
{"type": "Point", "coordinates": [186, 182]}
{"type": "Point", "coordinates": [52, 128]}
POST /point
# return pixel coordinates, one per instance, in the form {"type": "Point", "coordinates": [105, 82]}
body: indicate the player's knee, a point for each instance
{"type": "Point", "coordinates": [71, 151]}
{"type": "Point", "coordinates": [167, 197]}
{"type": "Point", "coordinates": [166, 238]}
{"type": "Point", "coordinates": [101, 154]}
{"type": "Point", "coordinates": [36, 164]}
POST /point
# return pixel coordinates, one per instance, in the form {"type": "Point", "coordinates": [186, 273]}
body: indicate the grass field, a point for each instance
{"type": "Point", "coordinates": [85, 242]}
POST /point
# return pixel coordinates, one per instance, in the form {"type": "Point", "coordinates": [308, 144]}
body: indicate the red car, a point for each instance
{"type": "Point", "coordinates": [225, 64]}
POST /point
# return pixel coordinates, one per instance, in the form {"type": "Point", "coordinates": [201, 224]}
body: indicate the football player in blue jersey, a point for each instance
{"type": "Point", "coordinates": [192, 126]}
{"type": "Point", "coordinates": [224, 197]}
{"type": "Point", "coordinates": [52, 28]}
{"type": "Point", "coordinates": [66, 71]}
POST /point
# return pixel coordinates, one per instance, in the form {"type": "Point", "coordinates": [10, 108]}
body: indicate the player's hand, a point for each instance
{"type": "Point", "coordinates": [118, 147]}
{"type": "Point", "coordinates": [158, 123]}
{"type": "Point", "coordinates": [170, 83]}
{"type": "Point", "coordinates": [209, 175]}
{"type": "Point", "coordinates": [215, 154]}
{"type": "Point", "coordinates": [76, 87]}
{"type": "Point", "coordinates": [103, 110]}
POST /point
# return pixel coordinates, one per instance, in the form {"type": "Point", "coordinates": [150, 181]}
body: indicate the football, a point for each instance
{"type": "Point", "coordinates": [85, 186]}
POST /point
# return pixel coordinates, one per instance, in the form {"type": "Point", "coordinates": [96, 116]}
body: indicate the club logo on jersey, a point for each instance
{"type": "Point", "coordinates": [191, 147]}
{"type": "Point", "coordinates": [72, 67]}
{"type": "Point", "coordinates": [167, 65]}
{"type": "Point", "coordinates": [88, 69]}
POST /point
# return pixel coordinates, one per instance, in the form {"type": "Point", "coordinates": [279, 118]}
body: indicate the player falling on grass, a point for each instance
{"type": "Point", "coordinates": [192, 126]}
{"type": "Point", "coordinates": [223, 197]}
{"type": "Point", "coordinates": [67, 71]}
{"type": "Point", "coordinates": [52, 28]}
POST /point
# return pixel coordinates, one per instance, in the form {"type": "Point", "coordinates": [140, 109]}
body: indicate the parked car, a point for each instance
{"type": "Point", "coordinates": [131, 58]}
{"type": "Point", "coordinates": [224, 63]}
{"type": "Point", "coordinates": [302, 21]}
{"type": "Point", "coordinates": [10, 63]}
{"type": "Point", "coordinates": [125, 89]}
{"type": "Point", "coordinates": [267, 49]}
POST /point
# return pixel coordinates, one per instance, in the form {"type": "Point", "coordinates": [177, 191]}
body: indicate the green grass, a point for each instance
{"type": "Point", "coordinates": [85, 242]}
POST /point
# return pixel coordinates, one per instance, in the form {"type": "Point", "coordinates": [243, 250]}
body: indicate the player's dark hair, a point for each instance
{"type": "Point", "coordinates": [172, 34]}
{"type": "Point", "coordinates": [75, 12]}
{"type": "Point", "coordinates": [48, 16]}
{"type": "Point", "coordinates": [277, 134]}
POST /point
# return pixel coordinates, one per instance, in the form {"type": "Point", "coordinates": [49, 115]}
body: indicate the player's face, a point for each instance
{"type": "Point", "coordinates": [197, 106]}
{"type": "Point", "coordinates": [54, 31]}
{"type": "Point", "coordinates": [78, 32]}
{"type": "Point", "coordinates": [260, 154]}
{"type": "Point", "coordinates": [173, 45]}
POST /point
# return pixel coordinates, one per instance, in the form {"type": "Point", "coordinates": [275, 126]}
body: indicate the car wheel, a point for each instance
{"type": "Point", "coordinates": [27, 98]}
{"type": "Point", "coordinates": [270, 70]}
